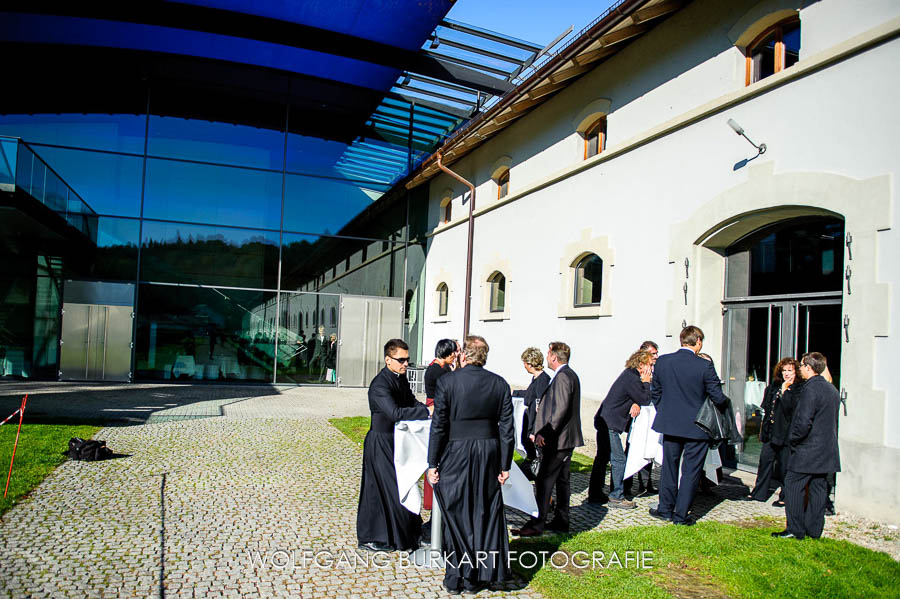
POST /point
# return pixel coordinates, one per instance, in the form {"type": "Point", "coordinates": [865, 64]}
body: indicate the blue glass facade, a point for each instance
{"type": "Point", "coordinates": [236, 237]}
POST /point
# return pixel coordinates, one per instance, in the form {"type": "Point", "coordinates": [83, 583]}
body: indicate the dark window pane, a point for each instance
{"type": "Point", "coordinates": [205, 255]}
{"type": "Point", "coordinates": [308, 262]}
{"type": "Point", "coordinates": [115, 255]}
{"type": "Point", "coordinates": [764, 58]}
{"type": "Point", "coordinates": [498, 293]}
{"type": "Point", "coordinates": [588, 280]}
{"type": "Point", "coordinates": [108, 183]}
{"type": "Point", "coordinates": [313, 156]}
{"type": "Point", "coordinates": [223, 143]}
{"type": "Point", "coordinates": [306, 354]}
{"type": "Point", "coordinates": [212, 194]}
{"type": "Point", "coordinates": [113, 132]}
{"type": "Point", "coordinates": [791, 38]}
{"type": "Point", "coordinates": [210, 334]}
{"type": "Point", "coordinates": [796, 256]}
{"type": "Point", "coordinates": [319, 205]}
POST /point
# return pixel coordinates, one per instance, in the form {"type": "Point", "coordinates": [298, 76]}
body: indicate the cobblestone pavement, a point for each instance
{"type": "Point", "coordinates": [237, 505]}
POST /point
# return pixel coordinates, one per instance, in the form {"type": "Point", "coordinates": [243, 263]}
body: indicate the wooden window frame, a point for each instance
{"type": "Point", "coordinates": [778, 30]}
{"type": "Point", "coordinates": [503, 184]}
{"type": "Point", "coordinates": [443, 299]}
{"type": "Point", "coordinates": [579, 267]}
{"type": "Point", "coordinates": [494, 282]}
{"type": "Point", "coordinates": [598, 128]}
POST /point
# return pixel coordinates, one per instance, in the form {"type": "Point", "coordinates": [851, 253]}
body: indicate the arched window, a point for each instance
{"type": "Point", "coordinates": [443, 295]}
{"type": "Point", "coordinates": [595, 138]}
{"type": "Point", "coordinates": [588, 280]}
{"type": "Point", "coordinates": [307, 319]}
{"type": "Point", "coordinates": [333, 320]}
{"type": "Point", "coordinates": [774, 50]}
{"type": "Point", "coordinates": [323, 316]}
{"type": "Point", "coordinates": [446, 209]}
{"type": "Point", "coordinates": [498, 292]}
{"type": "Point", "coordinates": [503, 184]}
{"type": "Point", "coordinates": [408, 303]}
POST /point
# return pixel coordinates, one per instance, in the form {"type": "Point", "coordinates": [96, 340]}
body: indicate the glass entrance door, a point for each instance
{"type": "Point", "coordinates": [757, 336]}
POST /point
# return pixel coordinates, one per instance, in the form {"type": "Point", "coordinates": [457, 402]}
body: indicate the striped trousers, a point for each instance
{"type": "Point", "coordinates": [804, 503]}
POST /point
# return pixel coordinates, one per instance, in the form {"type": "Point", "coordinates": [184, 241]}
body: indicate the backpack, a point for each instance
{"type": "Point", "coordinates": [88, 451]}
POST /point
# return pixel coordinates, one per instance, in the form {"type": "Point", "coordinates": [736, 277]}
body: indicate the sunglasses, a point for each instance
{"type": "Point", "coordinates": [401, 360]}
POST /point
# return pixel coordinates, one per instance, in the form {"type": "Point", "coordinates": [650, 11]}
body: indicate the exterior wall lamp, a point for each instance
{"type": "Point", "coordinates": [760, 149]}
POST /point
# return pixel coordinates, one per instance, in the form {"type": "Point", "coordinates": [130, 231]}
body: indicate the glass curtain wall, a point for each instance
{"type": "Point", "coordinates": [240, 238]}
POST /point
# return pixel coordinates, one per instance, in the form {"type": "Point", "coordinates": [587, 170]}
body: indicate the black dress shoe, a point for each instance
{"type": "Point", "coordinates": [527, 531]}
{"type": "Point", "coordinates": [376, 547]}
{"type": "Point", "coordinates": [598, 500]}
{"type": "Point", "coordinates": [452, 591]}
{"type": "Point", "coordinates": [557, 526]}
{"type": "Point", "coordinates": [655, 513]}
{"type": "Point", "coordinates": [786, 535]}
{"type": "Point", "coordinates": [778, 503]}
{"type": "Point", "coordinates": [689, 521]}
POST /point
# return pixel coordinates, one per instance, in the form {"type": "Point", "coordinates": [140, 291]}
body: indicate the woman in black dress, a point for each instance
{"type": "Point", "coordinates": [778, 408]}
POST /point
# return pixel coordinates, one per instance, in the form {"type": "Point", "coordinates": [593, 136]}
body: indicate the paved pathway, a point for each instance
{"type": "Point", "coordinates": [237, 504]}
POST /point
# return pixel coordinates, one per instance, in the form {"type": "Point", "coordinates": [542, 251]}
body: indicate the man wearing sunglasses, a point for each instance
{"type": "Point", "coordinates": [382, 523]}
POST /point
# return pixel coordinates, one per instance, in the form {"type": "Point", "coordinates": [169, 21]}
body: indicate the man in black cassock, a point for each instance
{"type": "Point", "coordinates": [382, 523]}
{"type": "Point", "coordinates": [469, 456]}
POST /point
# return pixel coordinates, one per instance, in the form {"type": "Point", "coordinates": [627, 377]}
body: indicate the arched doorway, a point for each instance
{"type": "Point", "coordinates": [783, 293]}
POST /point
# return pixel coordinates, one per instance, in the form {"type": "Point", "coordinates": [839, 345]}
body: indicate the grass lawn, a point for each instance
{"type": "Point", "coordinates": [40, 451]}
{"type": "Point", "coordinates": [710, 560]}
{"type": "Point", "coordinates": [356, 427]}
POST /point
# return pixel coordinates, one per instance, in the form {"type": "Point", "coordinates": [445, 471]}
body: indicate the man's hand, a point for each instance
{"type": "Point", "coordinates": [434, 477]}
{"type": "Point", "coordinates": [635, 410]}
{"type": "Point", "coordinates": [531, 437]}
{"type": "Point", "coordinates": [503, 476]}
{"type": "Point", "coordinates": [539, 440]}
{"type": "Point", "coordinates": [430, 410]}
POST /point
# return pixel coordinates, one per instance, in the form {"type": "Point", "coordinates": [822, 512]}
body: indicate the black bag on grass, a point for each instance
{"type": "Point", "coordinates": [88, 451]}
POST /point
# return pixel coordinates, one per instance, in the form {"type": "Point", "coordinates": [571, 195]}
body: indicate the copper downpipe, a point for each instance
{"type": "Point", "coordinates": [468, 309]}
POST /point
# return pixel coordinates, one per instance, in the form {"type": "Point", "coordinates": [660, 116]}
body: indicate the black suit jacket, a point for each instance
{"type": "Point", "coordinates": [471, 393]}
{"type": "Point", "coordinates": [532, 395]}
{"type": "Point", "coordinates": [616, 408]}
{"type": "Point", "coordinates": [559, 415]}
{"type": "Point", "coordinates": [814, 432]}
{"type": "Point", "coordinates": [391, 399]}
{"type": "Point", "coordinates": [681, 382]}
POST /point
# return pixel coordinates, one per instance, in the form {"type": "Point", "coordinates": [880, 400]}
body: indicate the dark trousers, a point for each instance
{"type": "Point", "coordinates": [804, 504]}
{"type": "Point", "coordinates": [598, 471]}
{"type": "Point", "coordinates": [555, 468]}
{"type": "Point", "coordinates": [675, 499]}
{"type": "Point", "coordinates": [772, 464]}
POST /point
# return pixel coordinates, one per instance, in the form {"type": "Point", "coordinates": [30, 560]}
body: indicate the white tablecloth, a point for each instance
{"type": "Point", "coordinates": [646, 446]}
{"type": "Point", "coordinates": [518, 420]}
{"type": "Point", "coordinates": [411, 461]}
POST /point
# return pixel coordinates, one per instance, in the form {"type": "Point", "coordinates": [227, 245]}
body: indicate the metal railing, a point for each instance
{"type": "Point", "coordinates": [22, 168]}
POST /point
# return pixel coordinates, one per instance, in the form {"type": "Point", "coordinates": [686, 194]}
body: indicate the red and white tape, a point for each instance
{"type": "Point", "coordinates": [10, 417]}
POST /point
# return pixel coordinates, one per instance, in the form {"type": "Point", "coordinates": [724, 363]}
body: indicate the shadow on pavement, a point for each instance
{"type": "Point", "coordinates": [121, 404]}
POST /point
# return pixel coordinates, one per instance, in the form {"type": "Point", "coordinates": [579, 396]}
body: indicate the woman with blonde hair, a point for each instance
{"type": "Point", "coordinates": [623, 402]}
{"type": "Point", "coordinates": [533, 361]}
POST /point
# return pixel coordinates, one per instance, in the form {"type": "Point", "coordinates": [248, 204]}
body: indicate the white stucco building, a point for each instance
{"type": "Point", "coordinates": [614, 203]}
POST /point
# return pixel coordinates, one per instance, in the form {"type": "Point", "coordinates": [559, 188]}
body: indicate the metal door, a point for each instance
{"type": "Point", "coordinates": [366, 324]}
{"type": "Point", "coordinates": [96, 342]}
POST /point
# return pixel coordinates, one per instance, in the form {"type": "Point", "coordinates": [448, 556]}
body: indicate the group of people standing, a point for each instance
{"type": "Point", "coordinates": [472, 441]}
{"type": "Point", "coordinates": [799, 435]}
{"type": "Point", "coordinates": [470, 453]}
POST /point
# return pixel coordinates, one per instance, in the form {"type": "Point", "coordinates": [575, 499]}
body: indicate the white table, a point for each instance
{"type": "Point", "coordinates": [411, 461]}
{"type": "Point", "coordinates": [646, 446]}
